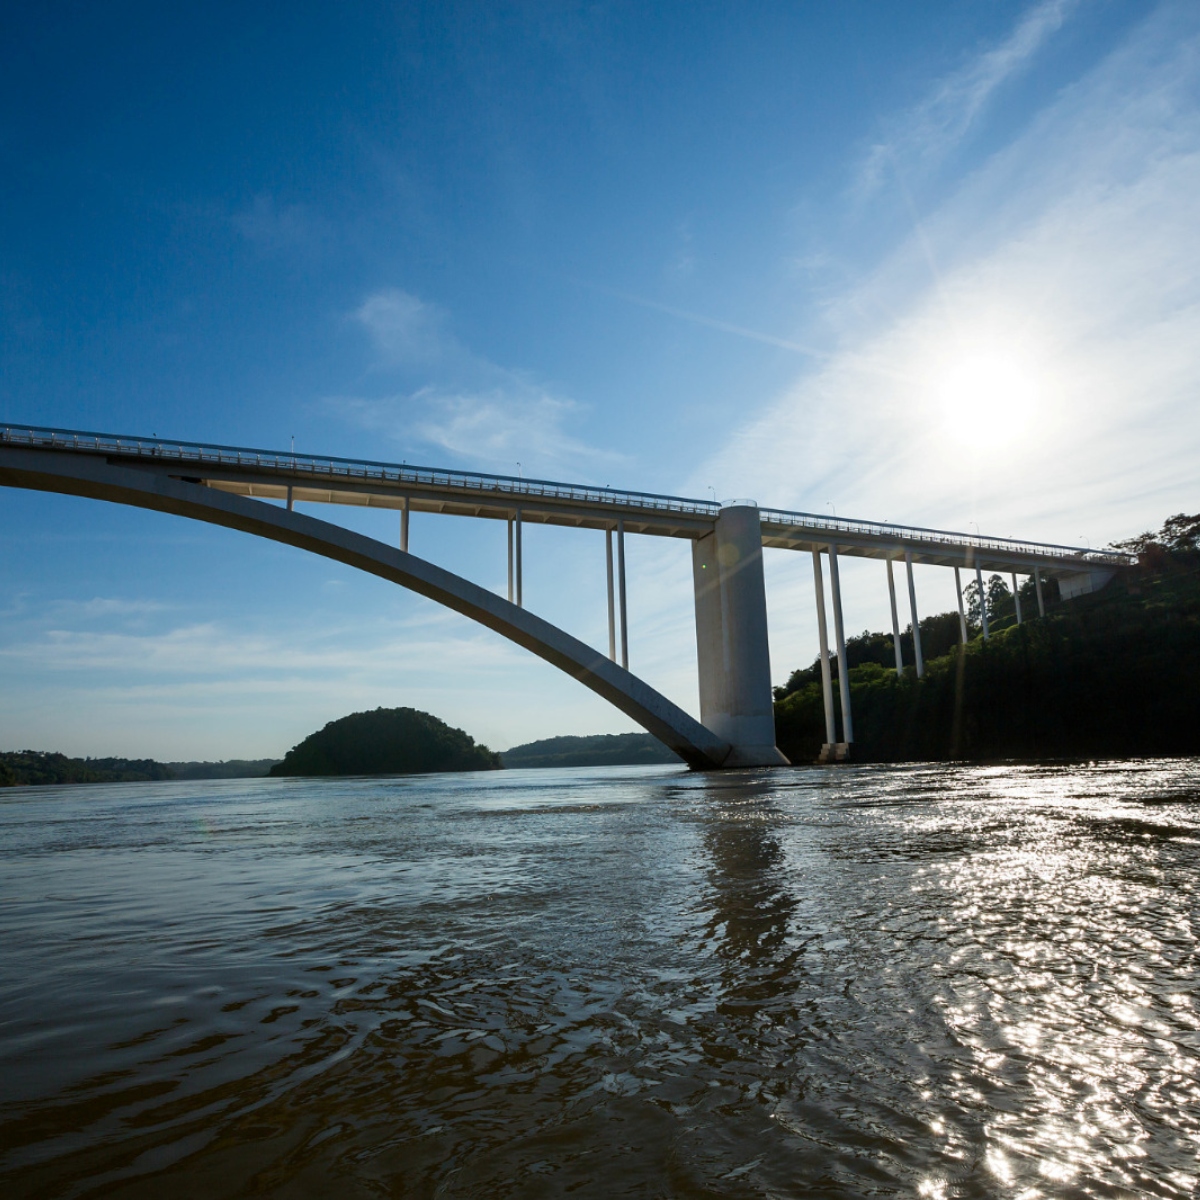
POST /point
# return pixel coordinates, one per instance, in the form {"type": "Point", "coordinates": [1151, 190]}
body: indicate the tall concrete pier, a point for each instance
{"type": "Point", "coordinates": [731, 637]}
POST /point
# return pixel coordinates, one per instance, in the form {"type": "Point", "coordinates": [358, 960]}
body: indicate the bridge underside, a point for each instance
{"type": "Point", "coordinates": [95, 477]}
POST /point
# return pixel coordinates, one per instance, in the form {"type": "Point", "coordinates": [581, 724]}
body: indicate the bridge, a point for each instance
{"type": "Point", "coordinates": [256, 491]}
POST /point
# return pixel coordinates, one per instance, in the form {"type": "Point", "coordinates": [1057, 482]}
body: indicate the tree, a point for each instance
{"type": "Point", "coordinates": [999, 601]}
{"type": "Point", "coordinates": [1177, 540]}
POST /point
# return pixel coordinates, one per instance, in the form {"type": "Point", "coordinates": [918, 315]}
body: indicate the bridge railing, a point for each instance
{"type": "Point", "coordinates": [917, 534]}
{"type": "Point", "coordinates": [327, 468]}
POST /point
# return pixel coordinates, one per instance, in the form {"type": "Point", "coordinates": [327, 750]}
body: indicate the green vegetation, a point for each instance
{"type": "Point", "coordinates": [29, 767]}
{"type": "Point", "coordinates": [1113, 674]}
{"type": "Point", "coordinates": [26, 768]}
{"type": "Point", "coordinates": [387, 741]}
{"type": "Point", "coordinates": [233, 768]}
{"type": "Point", "coordinates": [595, 750]}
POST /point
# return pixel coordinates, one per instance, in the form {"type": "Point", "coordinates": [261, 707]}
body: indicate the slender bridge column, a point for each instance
{"type": "Point", "coordinates": [731, 638]}
{"type": "Point", "coordinates": [839, 632]}
{"type": "Point", "coordinates": [983, 604]}
{"type": "Point", "coordinates": [918, 656]}
{"type": "Point", "coordinates": [962, 612]}
{"type": "Point", "coordinates": [895, 621]}
{"type": "Point", "coordinates": [823, 636]}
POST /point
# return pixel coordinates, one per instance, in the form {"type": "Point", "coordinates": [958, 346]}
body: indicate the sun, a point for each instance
{"type": "Point", "coordinates": [987, 395]}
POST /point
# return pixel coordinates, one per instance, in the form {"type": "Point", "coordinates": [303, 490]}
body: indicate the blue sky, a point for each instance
{"type": "Point", "coordinates": [934, 263]}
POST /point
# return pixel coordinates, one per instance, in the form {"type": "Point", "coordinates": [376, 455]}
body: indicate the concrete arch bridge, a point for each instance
{"type": "Point", "coordinates": [256, 491]}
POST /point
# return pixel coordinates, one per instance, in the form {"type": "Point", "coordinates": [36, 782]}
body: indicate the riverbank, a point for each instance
{"type": "Point", "coordinates": [1110, 675]}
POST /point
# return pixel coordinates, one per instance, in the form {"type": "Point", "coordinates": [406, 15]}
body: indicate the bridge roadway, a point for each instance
{"type": "Point", "coordinates": [727, 551]}
{"type": "Point", "coordinates": [274, 475]}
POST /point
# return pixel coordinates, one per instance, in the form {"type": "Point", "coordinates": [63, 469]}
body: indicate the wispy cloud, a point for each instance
{"type": "Point", "coordinates": [1072, 258]}
{"type": "Point", "coordinates": [694, 318]}
{"type": "Point", "coordinates": [202, 650]}
{"type": "Point", "coordinates": [405, 330]}
{"type": "Point", "coordinates": [106, 607]}
{"type": "Point", "coordinates": [274, 228]}
{"type": "Point", "coordinates": [468, 407]}
{"type": "Point", "coordinates": [501, 427]}
{"type": "Point", "coordinates": [918, 140]}
{"type": "Point", "coordinates": [218, 690]}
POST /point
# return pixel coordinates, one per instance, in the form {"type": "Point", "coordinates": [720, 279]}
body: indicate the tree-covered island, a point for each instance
{"type": "Point", "coordinates": [386, 741]}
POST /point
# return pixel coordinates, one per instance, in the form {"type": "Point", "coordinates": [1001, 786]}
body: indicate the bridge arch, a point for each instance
{"type": "Point", "coordinates": [98, 479]}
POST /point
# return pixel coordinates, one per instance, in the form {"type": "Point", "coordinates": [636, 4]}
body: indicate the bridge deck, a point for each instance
{"type": "Point", "coordinates": [268, 475]}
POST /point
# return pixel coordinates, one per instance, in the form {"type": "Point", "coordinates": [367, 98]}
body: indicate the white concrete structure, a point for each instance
{"type": "Point", "coordinates": [962, 613]}
{"type": "Point", "coordinates": [835, 585]}
{"type": "Point", "coordinates": [918, 655]}
{"type": "Point", "coordinates": [731, 637]}
{"type": "Point", "coordinates": [78, 475]}
{"type": "Point", "coordinates": [257, 491]}
{"type": "Point", "coordinates": [983, 604]}
{"type": "Point", "coordinates": [896, 647]}
{"type": "Point", "coordinates": [823, 634]}
{"type": "Point", "coordinates": [1084, 582]}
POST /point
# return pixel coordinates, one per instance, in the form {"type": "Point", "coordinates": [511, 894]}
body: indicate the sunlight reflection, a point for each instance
{"type": "Point", "coordinates": [988, 389]}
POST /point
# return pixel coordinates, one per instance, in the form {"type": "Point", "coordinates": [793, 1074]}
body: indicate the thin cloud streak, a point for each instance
{"type": "Point", "coordinates": [684, 314]}
{"type": "Point", "coordinates": [1073, 254]}
{"type": "Point", "coordinates": [469, 407]}
{"type": "Point", "coordinates": [920, 139]}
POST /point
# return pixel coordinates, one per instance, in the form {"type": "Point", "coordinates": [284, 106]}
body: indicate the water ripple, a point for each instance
{"type": "Point", "coordinates": [916, 981]}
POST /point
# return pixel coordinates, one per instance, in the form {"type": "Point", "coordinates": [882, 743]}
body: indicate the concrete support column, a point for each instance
{"type": "Point", "coordinates": [621, 593]}
{"type": "Point", "coordinates": [823, 633]}
{"type": "Point", "coordinates": [895, 620]}
{"type": "Point", "coordinates": [918, 657]}
{"type": "Point", "coordinates": [731, 638]}
{"type": "Point", "coordinates": [520, 597]}
{"type": "Point", "coordinates": [1016, 597]}
{"type": "Point", "coordinates": [983, 612]}
{"type": "Point", "coordinates": [839, 632]}
{"type": "Point", "coordinates": [1037, 582]}
{"type": "Point", "coordinates": [962, 612]}
{"type": "Point", "coordinates": [612, 611]}
{"type": "Point", "coordinates": [511, 576]}
{"type": "Point", "coordinates": [290, 502]}
{"type": "Point", "coordinates": [404, 525]}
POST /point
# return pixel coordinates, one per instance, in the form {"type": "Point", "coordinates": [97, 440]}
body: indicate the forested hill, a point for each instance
{"type": "Point", "coordinates": [386, 741]}
{"type": "Point", "coordinates": [1113, 674]}
{"type": "Point", "coordinates": [593, 750]}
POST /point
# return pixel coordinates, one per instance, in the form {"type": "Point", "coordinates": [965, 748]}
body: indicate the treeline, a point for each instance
{"type": "Point", "coordinates": [30, 768]}
{"type": "Point", "coordinates": [1112, 674]}
{"type": "Point", "coordinates": [591, 750]}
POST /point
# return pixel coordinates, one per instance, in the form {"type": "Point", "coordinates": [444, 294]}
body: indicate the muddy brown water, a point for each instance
{"type": "Point", "coordinates": [864, 981]}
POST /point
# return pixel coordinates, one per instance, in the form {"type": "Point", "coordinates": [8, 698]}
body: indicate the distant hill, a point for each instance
{"type": "Point", "coordinates": [233, 768]}
{"type": "Point", "coordinates": [31, 768]}
{"type": "Point", "coordinates": [595, 750]}
{"type": "Point", "coordinates": [386, 741]}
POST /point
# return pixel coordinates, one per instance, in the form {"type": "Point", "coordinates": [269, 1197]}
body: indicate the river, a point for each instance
{"type": "Point", "coordinates": [856, 981]}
